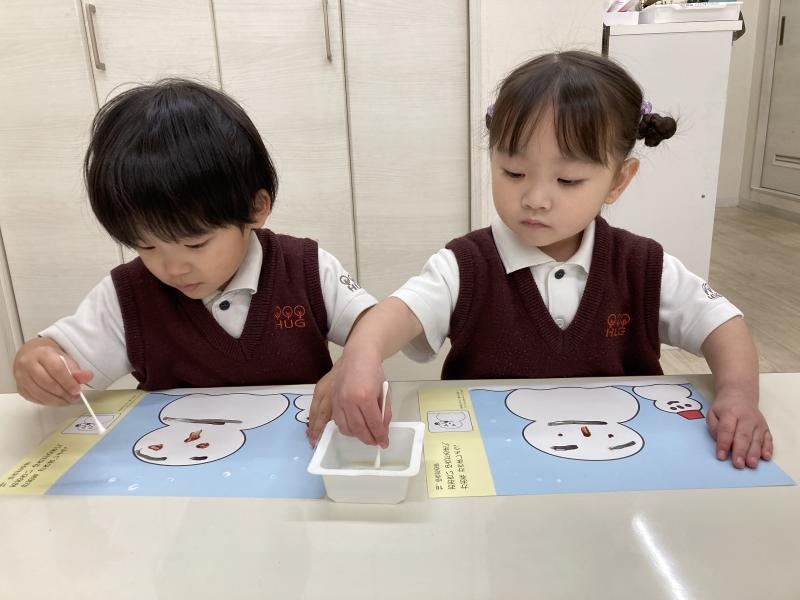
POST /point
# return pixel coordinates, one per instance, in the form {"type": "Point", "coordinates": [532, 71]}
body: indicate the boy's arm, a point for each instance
{"type": "Point", "coordinates": [734, 420]}
{"type": "Point", "coordinates": [355, 401]}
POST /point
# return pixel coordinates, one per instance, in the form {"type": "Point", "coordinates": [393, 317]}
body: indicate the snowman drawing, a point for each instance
{"type": "Point", "coordinates": [202, 428]}
{"type": "Point", "coordinates": [671, 398]}
{"type": "Point", "coordinates": [451, 420]}
{"type": "Point", "coordinates": [303, 403]}
{"type": "Point", "coordinates": [578, 423]}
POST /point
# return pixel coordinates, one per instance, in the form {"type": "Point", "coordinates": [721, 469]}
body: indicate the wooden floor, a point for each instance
{"type": "Point", "coordinates": [755, 263]}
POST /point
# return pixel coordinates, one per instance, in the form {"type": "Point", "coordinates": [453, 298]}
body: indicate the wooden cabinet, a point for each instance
{"type": "Point", "coordinates": [396, 107]}
{"type": "Point", "coordinates": [283, 62]}
{"type": "Point", "coordinates": [139, 41]}
{"type": "Point", "coordinates": [55, 249]}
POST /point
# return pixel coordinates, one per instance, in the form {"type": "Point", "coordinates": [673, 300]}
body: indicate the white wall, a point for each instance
{"type": "Point", "coordinates": [732, 167]}
{"type": "Point", "coordinates": [503, 34]}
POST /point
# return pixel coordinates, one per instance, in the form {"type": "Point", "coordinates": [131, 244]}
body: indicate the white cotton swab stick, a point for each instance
{"type": "Point", "coordinates": [385, 390]}
{"type": "Point", "coordinates": [100, 428]}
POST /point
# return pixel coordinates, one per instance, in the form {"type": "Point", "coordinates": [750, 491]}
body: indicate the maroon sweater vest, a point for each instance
{"type": "Point", "coordinates": [174, 341]}
{"type": "Point", "coordinates": [501, 327]}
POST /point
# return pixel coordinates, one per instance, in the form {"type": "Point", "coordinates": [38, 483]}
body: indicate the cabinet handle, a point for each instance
{"type": "Point", "coordinates": [91, 10]}
{"type": "Point", "coordinates": [327, 31]}
{"type": "Point", "coordinates": [783, 27]}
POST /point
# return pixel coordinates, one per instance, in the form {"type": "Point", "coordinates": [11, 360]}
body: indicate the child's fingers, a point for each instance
{"type": "Point", "coordinates": [376, 422]}
{"type": "Point", "coordinates": [387, 417]}
{"type": "Point", "coordinates": [756, 445]}
{"type": "Point", "coordinates": [36, 393]}
{"type": "Point", "coordinates": [742, 440]}
{"type": "Point", "coordinates": [712, 422]}
{"type": "Point", "coordinates": [766, 448]}
{"type": "Point", "coordinates": [46, 379]}
{"type": "Point", "coordinates": [58, 372]}
{"type": "Point", "coordinates": [318, 416]}
{"type": "Point", "coordinates": [726, 429]}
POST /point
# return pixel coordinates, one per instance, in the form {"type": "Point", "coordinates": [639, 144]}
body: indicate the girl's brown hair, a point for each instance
{"type": "Point", "coordinates": [596, 106]}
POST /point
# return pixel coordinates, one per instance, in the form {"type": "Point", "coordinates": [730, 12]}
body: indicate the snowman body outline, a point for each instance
{"type": "Point", "coordinates": [218, 420]}
{"type": "Point", "coordinates": [559, 420]}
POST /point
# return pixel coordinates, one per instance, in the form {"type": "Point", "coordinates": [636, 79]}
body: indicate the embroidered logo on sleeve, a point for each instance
{"type": "Point", "coordinates": [289, 317]}
{"type": "Point", "coordinates": [616, 324]}
{"type": "Point", "coordinates": [712, 295]}
{"type": "Point", "coordinates": [350, 283]}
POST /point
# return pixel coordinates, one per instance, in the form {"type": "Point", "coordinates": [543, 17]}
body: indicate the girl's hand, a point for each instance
{"type": "Point", "coordinates": [320, 412]}
{"type": "Point", "coordinates": [41, 376]}
{"type": "Point", "coordinates": [356, 398]}
{"type": "Point", "coordinates": [740, 429]}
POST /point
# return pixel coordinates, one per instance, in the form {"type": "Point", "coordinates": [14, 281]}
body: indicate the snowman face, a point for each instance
{"type": "Point", "coordinates": [449, 421]}
{"type": "Point", "coordinates": [670, 398]}
{"type": "Point", "coordinates": [202, 428]}
{"type": "Point", "coordinates": [578, 423]}
{"type": "Point", "coordinates": [185, 444]}
{"type": "Point", "coordinates": [584, 440]}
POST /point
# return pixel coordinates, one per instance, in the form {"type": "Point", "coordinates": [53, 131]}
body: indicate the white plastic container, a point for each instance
{"type": "Point", "coordinates": [346, 465]}
{"type": "Point", "coordinates": [682, 13]}
{"type": "Point", "coordinates": [630, 17]}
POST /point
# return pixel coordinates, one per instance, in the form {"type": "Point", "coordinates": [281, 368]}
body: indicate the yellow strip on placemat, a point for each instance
{"type": "Point", "coordinates": [35, 473]}
{"type": "Point", "coordinates": [455, 459]}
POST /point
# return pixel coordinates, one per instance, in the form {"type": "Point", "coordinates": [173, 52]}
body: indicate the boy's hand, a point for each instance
{"type": "Point", "coordinates": [740, 429]}
{"type": "Point", "coordinates": [356, 399]}
{"type": "Point", "coordinates": [41, 376]}
{"type": "Point", "coordinates": [320, 412]}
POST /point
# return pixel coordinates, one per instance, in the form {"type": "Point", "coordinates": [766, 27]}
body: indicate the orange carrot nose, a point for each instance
{"type": "Point", "coordinates": [585, 431]}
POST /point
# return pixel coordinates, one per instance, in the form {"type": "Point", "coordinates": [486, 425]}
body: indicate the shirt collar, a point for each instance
{"type": "Point", "coordinates": [246, 277]}
{"type": "Point", "coordinates": [515, 255]}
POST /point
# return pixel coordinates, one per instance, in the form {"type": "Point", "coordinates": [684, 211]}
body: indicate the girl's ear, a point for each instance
{"type": "Point", "coordinates": [262, 206]}
{"type": "Point", "coordinates": [627, 171]}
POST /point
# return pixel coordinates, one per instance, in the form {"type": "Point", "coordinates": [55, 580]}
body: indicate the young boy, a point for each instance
{"type": "Point", "coordinates": [178, 172]}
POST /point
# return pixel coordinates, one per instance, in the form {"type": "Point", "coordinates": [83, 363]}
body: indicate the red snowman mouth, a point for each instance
{"type": "Point", "coordinates": [691, 414]}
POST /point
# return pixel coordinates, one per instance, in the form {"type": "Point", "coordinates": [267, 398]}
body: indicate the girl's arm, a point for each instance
{"type": "Point", "coordinates": [734, 420]}
{"type": "Point", "coordinates": [355, 401]}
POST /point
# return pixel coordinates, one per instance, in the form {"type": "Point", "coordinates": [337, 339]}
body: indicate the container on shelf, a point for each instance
{"type": "Point", "coordinates": [682, 13]}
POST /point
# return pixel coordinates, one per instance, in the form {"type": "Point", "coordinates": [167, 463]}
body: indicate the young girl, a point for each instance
{"type": "Point", "coordinates": [550, 289]}
{"type": "Point", "coordinates": [178, 172]}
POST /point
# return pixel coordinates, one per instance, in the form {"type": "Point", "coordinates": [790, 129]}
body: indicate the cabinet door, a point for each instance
{"type": "Point", "coordinates": [782, 154]}
{"type": "Point", "coordinates": [140, 41]}
{"type": "Point", "coordinates": [408, 91]}
{"type": "Point", "coordinates": [56, 251]}
{"type": "Point", "coordinates": [283, 62]}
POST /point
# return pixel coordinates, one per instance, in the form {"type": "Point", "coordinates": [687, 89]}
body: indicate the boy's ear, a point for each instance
{"type": "Point", "coordinates": [627, 171]}
{"type": "Point", "coordinates": [262, 206]}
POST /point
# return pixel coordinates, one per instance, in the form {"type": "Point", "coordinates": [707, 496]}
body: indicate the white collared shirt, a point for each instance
{"type": "Point", "coordinates": [689, 309]}
{"type": "Point", "coordinates": [95, 337]}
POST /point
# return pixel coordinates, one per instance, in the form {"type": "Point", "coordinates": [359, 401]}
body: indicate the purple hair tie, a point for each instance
{"type": "Point", "coordinates": [490, 110]}
{"type": "Point", "coordinates": [646, 108]}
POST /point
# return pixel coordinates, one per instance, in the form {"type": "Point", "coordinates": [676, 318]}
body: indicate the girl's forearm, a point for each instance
{"type": "Point", "coordinates": [733, 358]}
{"type": "Point", "coordinates": [384, 330]}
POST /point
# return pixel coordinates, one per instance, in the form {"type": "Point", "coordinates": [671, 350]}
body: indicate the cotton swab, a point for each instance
{"type": "Point", "coordinates": [385, 390]}
{"type": "Point", "coordinates": [100, 428]}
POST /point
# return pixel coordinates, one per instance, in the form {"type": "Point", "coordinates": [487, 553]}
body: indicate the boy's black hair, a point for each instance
{"type": "Point", "coordinates": [596, 104]}
{"type": "Point", "coordinates": [174, 160]}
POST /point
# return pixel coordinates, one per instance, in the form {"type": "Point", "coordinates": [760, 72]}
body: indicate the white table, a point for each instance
{"type": "Point", "coordinates": [720, 543]}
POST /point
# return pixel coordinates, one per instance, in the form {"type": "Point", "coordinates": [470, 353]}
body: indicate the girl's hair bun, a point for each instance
{"type": "Point", "coordinates": [654, 129]}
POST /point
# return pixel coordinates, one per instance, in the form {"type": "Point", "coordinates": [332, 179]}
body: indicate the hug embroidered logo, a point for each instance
{"type": "Point", "coordinates": [290, 317]}
{"type": "Point", "coordinates": [616, 323]}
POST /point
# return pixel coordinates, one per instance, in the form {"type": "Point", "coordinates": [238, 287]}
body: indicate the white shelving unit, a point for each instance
{"type": "Point", "coordinates": [683, 69]}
